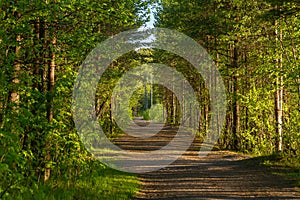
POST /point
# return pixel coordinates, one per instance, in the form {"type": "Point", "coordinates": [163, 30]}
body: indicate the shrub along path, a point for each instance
{"type": "Point", "coordinates": [220, 175]}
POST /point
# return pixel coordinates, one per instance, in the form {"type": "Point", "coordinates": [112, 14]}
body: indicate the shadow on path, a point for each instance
{"type": "Point", "coordinates": [219, 175]}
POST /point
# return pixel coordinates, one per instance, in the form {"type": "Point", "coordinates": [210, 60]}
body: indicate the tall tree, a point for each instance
{"type": "Point", "coordinates": [239, 35]}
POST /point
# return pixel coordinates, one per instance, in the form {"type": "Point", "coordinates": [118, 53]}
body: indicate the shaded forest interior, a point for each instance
{"type": "Point", "coordinates": [255, 46]}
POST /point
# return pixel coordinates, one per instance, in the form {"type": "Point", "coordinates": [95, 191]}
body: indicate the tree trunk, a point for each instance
{"type": "Point", "coordinates": [236, 107]}
{"type": "Point", "coordinates": [279, 91]}
{"type": "Point", "coordinates": [51, 82]}
{"type": "Point", "coordinates": [14, 94]}
{"type": "Point", "coordinates": [146, 97]}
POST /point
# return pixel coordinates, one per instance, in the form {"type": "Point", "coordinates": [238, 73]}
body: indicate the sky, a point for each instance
{"type": "Point", "coordinates": [150, 23]}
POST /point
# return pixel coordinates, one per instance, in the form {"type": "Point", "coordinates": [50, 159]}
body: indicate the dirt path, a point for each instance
{"type": "Point", "coordinates": [220, 175]}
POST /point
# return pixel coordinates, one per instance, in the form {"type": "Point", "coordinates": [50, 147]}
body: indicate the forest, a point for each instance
{"type": "Point", "coordinates": [254, 44]}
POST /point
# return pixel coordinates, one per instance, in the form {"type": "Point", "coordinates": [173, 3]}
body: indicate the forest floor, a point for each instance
{"type": "Point", "coordinates": [219, 175]}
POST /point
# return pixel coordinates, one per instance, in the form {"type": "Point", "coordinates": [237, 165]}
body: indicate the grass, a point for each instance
{"type": "Point", "coordinates": [105, 184]}
{"type": "Point", "coordinates": [285, 166]}
{"type": "Point", "coordinates": [99, 183]}
{"type": "Point", "coordinates": [280, 164]}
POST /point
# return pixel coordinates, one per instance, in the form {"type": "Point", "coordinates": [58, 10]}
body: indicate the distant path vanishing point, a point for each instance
{"type": "Point", "coordinates": [220, 175]}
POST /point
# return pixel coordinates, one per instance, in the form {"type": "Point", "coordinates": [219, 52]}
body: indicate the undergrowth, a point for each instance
{"type": "Point", "coordinates": [98, 182]}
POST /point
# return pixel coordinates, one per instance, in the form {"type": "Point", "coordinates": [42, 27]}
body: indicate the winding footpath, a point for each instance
{"type": "Point", "coordinates": [219, 175]}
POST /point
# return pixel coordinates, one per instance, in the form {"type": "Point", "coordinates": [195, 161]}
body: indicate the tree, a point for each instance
{"type": "Point", "coordinates": [42, 45]}
{"type": "Point", "coordinates": [239, 35]}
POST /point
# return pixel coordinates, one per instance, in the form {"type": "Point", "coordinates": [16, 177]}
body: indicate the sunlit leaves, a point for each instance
{"type": "Point", "coordinates": [247, 27]}
{"type": "Point", "coordinates": [78, 27]}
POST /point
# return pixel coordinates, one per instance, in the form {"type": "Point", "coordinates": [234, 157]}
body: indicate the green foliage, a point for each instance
{"type": "Point", "coordinates": [156, 113]}
{"type": "Point", "coordinates": [37, 132]}
{"type": "Point", "coordinates": [146, 115]}
{"type": "Point", "coordinates": [94, 181]}
{"type": "Point", "coordinates": [241, 37]}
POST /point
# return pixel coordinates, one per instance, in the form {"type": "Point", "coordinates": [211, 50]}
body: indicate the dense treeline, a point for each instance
{"type": "Point", "coordinates": [42, 44]}
{"type": "Point", "coordinates": [255, 46]}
